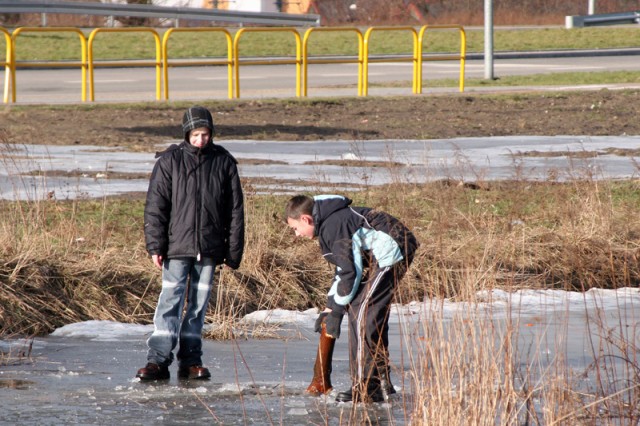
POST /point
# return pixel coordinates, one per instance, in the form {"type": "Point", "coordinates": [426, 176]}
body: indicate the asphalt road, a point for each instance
{"type": "Point", "coordinates": [192, 83]}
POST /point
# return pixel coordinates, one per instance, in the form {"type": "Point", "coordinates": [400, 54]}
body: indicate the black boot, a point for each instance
{"type": "Point", "coordinates": [387, 388]}
{"type": "Point", "coordinates": [373, 393]}
{"type": "Point", "coordinates": [346, 396]}
{"type": "Point", "coordinates": [385, 381]}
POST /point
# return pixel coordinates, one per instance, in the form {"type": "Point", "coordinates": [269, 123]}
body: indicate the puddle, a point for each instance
{"type": "Point", "coordinates": [68, 172]}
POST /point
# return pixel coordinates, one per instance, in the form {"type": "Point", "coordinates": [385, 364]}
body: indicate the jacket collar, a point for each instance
{"type": "Point", "coordinates": [207, 149]}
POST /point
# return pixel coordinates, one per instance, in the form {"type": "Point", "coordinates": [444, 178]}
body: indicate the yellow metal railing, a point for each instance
{"type": "Point", "coordinates": [233, 61]}
{"type": "Point", "coordinates": [367, 60]}
{"type": "Point", "coordinates": [47, 64]}
{"type": "Point", "coordinates": [157, 63]}
{"type": "Point", "coordinates": [7, 65]}
{"type": "Point", "coordinates": [166, 64]}
{"type": "Point", "coordinates": [236, 55]}
{"type": "Point", "coordinates": [306, 60]}
{"type": "Point", "coordinates": [462, 57]}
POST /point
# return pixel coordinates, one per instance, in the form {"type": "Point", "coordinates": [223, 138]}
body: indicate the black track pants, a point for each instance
{"type": "Point", "coordinates": [368, 315]}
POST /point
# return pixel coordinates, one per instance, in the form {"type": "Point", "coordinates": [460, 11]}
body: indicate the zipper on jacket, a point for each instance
{"type": "Point", "coordinates": [198, 202]}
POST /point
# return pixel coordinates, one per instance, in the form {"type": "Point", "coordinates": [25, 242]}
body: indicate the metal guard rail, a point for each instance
{"type": "Point", "coordinates": [157, 63]}
{"type": "Point", "coordinates": [302, 60]}
{"type": "Point", "coordinates": [44, 64]}
{"type": "Point", "coordinates": [306, 60]}
{"type": "Point", "coordinates": [150, 11]}
{"type": "Point", "coordinates": [462, 57]}
{"type": "Point", "coordinates": [236, 54]}
{"type": "Point", "coordinates": [620, 18]}
{"type": "Point", "coordinates": [185, 63]}
{"type": "Point", "coordinates": [8, 66]}
{"type": "Point", "coordinates": [367, 59]}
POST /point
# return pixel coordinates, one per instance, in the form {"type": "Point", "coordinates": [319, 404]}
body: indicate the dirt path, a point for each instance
{"type": "Point", "coordinates": [138, 127]}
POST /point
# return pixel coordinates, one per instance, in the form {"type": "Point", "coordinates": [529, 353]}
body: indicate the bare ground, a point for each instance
{"type": "Point", "coordinates": [140, 126]}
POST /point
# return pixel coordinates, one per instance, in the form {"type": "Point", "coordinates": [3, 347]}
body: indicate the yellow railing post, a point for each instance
{"type": "Point", "coordinates": [236, 55]}
{"type": "Point", "coordinates": [367, 60]}
{"type": "Point", "coordinates": [462, 57]}
{"type": "Point", "coordinates": [43, 64]}
{"type": "Point", "coordinates": [306, 61]}
{"type": "Point", "coordinates": [166, 64]}
{"type": "Point", "coordinates": [157, 63]}
{"type": "Point", "coordinates": [8, 65]}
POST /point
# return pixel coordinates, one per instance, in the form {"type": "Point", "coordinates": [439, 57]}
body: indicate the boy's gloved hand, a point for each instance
{"type": "Point", "coordinates": [318, 326]}
{"type": "Point", "coordinates": [333, 321]}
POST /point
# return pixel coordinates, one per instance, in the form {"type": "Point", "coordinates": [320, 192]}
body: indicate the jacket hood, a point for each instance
{"type": "Point", "coordinates": [325, 205]}
{"type": "Point", "coordinates": [196, 117]}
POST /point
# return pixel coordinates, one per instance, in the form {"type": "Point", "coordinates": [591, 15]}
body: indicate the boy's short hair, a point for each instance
{"type": "Point", "coordinates": [297, 206]}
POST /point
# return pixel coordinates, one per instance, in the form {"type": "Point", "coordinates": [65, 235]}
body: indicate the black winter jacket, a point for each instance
{"type": "Point", "coordinates": [195, 205]}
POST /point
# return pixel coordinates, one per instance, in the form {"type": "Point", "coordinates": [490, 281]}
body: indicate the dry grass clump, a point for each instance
{"type": "Point", "coordinates": [474, 368]}
{"type": "Point", "coordinates": [488, 370]}
{"type": "Point", "coordinates": [64, 262]}
{"type": "Point", "coordinates": [40, 294]}
{"type": "Point", "coordinates": [571, 236]}
{"type": "Point", "coordinates": [67, 261]}
{"type": "Point", "coordinates": [70, 261]}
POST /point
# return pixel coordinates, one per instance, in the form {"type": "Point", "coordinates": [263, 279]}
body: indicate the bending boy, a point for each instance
{"type": "Point", "coordinates": [371, 251]}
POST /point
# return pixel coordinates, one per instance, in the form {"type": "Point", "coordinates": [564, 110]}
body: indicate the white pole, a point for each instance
{"type": "Point", "coordinates": [592, 7]}
{"type": "Point", "coordinates": [488, 39]}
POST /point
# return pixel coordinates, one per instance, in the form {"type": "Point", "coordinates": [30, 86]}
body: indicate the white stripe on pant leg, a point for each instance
{"type": "Point", "coordinates": [169, 284]}
{"type": "Point", "coordinates": [204, 286]}
{"type": "Point", "coordinates": [365, 302]}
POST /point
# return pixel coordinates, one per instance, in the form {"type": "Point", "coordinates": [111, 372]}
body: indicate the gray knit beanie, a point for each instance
{"type": "Point", "coordinates": [196, 117]}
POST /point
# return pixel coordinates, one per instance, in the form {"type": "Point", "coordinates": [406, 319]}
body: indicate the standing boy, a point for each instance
{"type": "Point", "coordinates": [371, 251]}
{"type": "Point", "coordinates": [193, 220]}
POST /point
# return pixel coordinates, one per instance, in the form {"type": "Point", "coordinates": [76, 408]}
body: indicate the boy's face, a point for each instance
{"type": "Point", "coordinates": [303, 227]}
{"type": "Point", "coordinates": [199, 137]}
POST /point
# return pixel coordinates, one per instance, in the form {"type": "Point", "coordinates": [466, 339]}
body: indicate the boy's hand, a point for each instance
{"type": "Point", "coordinates": [157, 260]}
{"type": "Point", "coordinates": [333, 321]}
{"type": "Point", "coordinates": [318, 326]}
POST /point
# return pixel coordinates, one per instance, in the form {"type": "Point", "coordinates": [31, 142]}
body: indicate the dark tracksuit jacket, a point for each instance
{"type": "Point", "coordinates": [371, 251]}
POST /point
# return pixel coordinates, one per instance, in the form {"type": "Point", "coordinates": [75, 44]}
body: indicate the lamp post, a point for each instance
{"type": "Point", "coordinates": [488, 39]}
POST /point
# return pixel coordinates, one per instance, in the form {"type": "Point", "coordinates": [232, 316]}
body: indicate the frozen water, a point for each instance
{"type": "Point", "coordinates": [468, 159]}
{"type": "Point", "coordinates": [84, 373]}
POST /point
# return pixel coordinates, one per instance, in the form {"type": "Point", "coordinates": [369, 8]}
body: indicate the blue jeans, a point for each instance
{"type": "Point", "coordinates": [179, 277]}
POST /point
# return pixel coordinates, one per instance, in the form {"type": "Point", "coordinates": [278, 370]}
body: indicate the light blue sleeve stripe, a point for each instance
{"type": "Point", "coordinates": [384, 248]}
{"type": "Point", "coordinates": [356, 244]}
{"type": "Point", "coordinates": [327, 197]}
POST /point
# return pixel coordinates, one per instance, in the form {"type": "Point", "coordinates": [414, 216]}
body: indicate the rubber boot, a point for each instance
{"type": "Point", "coordinates": [321, 382]}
